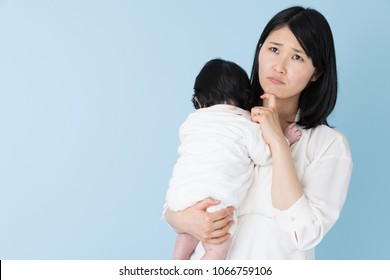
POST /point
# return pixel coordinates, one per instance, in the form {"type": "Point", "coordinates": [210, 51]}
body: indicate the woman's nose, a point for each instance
{"type": "Point", "coordinates": [280, 66]}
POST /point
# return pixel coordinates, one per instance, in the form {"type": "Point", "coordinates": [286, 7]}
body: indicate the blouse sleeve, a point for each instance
{"type": "Point", "coordinates": [325, 182]}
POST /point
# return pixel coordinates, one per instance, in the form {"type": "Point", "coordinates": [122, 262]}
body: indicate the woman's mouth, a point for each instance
{"type": "Point", "coordinates": [275, 80]}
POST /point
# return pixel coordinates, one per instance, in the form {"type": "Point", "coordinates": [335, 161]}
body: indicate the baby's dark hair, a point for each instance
{"type": "Point", "coordinates": [222, 82]}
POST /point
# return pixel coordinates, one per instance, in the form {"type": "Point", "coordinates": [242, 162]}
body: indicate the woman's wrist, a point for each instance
{"type": "Point", "coordinates": [278, 144]}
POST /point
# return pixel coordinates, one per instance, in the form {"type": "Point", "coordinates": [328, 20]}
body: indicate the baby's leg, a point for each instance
{"type": "Point", "coordinates": [293, 133]}
{"type": "Point", "coordinates": [216, 251]}
{"type": "Point", "coordinates": [185, 245]}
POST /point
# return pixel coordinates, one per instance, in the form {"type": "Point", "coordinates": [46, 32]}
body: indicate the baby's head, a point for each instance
{"type": "Point", "coordinates": [222, 82]}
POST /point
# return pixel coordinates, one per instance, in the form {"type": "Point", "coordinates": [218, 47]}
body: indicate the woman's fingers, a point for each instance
{"type": "Point", "coordinates": [255, 111]}
{"type": "Point", "coordinates": [222, 214]}
{"type": "Point", "coordinates": [217, 220]}
{"type": "Point", "coordinates": [211, 226]}
{"type": "Point", "coordinates": [206, 203]}
{"type": "Point", "coordinates": [220, 235]}
{"type": "Point", "coordinates": [222, 222]}
{"type": "Point", "coordinates": [215, 225]}
{"type": "Point", "coordinates": [259, 112]}
{"type": "Point", "coordinates": [223, 230]}
{"type": "Point", "coordinates": [218, 240]}
{"type": "Point", "coordinates": [220, 227]}
{"type": "Point", "coordinates": [269, 100]}
{"type": "Point", "coordinates": [269, 108]}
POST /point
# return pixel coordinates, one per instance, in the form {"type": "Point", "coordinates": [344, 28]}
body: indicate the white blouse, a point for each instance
{"type": "Point", "coordinates": [324, 165]}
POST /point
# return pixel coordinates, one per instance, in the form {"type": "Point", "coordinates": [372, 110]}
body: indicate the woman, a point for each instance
{"type": "Point", "coordinates": [293, 203]}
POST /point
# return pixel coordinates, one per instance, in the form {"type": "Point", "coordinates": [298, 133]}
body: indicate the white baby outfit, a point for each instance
{"type": "Point", "coordinates": [220, 147]}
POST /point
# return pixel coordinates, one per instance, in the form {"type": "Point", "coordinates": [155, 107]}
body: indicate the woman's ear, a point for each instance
{"type": "Point", "coordinates": [316, 75]}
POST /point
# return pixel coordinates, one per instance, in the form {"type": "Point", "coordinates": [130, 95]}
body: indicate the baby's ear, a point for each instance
{"type": "Point", "coordinates": [197, 102]}
{"type": "Point", "coordinates": [316, 75]}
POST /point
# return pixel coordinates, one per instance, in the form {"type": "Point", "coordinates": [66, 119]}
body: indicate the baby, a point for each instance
{"type": "Point", "coordinates": [220, 146]}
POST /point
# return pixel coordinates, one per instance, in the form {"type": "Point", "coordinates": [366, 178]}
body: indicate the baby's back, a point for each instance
{"type": "Point", "coordinates": [217, 144]}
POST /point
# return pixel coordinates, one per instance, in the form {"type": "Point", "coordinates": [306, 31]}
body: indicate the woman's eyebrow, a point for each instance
{"type": "Point", "coordinates": [275, 43]}
{"type": "Point", "coordinates": [299, 50]}
{"type": "Point", "coordinates": [280, 44]}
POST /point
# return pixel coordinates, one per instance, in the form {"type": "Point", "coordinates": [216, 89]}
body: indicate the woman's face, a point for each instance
{"type": "Point", "coordinates": [284, 68]}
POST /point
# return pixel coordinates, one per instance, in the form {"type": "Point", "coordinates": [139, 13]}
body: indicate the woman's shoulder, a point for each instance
{"type": "Point", "coordinates": [326, 132]}
{"type": "Point", "coordinates": [326, 141]}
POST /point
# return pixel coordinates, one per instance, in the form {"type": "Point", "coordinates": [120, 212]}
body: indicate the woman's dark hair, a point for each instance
{"type": "Point", "coordinates": [222, 82]}
{"type": "Point", "coordinates": [313, 33]}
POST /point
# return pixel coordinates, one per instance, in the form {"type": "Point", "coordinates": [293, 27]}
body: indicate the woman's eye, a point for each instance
{"type": "Point", "coordinates": [273, 49]}
{"type": "Point", "coordinates": [297, 57]}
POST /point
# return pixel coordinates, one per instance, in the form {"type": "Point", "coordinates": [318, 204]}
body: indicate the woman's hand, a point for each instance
{"type": "Point", "coordinates": [286, 186]}
{"type": "Point", "coordinates": [268, 118]}
{"type": "Point", "coordinates": [207, 227]}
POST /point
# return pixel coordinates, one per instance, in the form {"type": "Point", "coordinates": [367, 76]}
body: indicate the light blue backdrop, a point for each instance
{"type": "Point", "coordinates": [92, 94]}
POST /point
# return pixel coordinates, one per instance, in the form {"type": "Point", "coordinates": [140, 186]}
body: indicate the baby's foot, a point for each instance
{"type": "Point", "coordinates": [293, 133]}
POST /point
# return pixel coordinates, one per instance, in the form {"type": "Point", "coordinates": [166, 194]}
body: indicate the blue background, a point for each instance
{"type": "Point", "coordinates": [92, 94]}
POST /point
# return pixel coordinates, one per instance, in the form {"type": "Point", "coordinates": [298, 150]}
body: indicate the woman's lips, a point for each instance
{"type": "Point", "coordinates": [275, 80]}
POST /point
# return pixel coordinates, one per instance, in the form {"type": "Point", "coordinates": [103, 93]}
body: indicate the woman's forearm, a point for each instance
{"type": "Point", "coordinates": [286, 186]}
{"type": "Point", "coordinates": [205, 226]}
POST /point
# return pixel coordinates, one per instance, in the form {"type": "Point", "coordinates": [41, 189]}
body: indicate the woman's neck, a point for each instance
{"type": "Point", "coordinates": [287, 112]}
